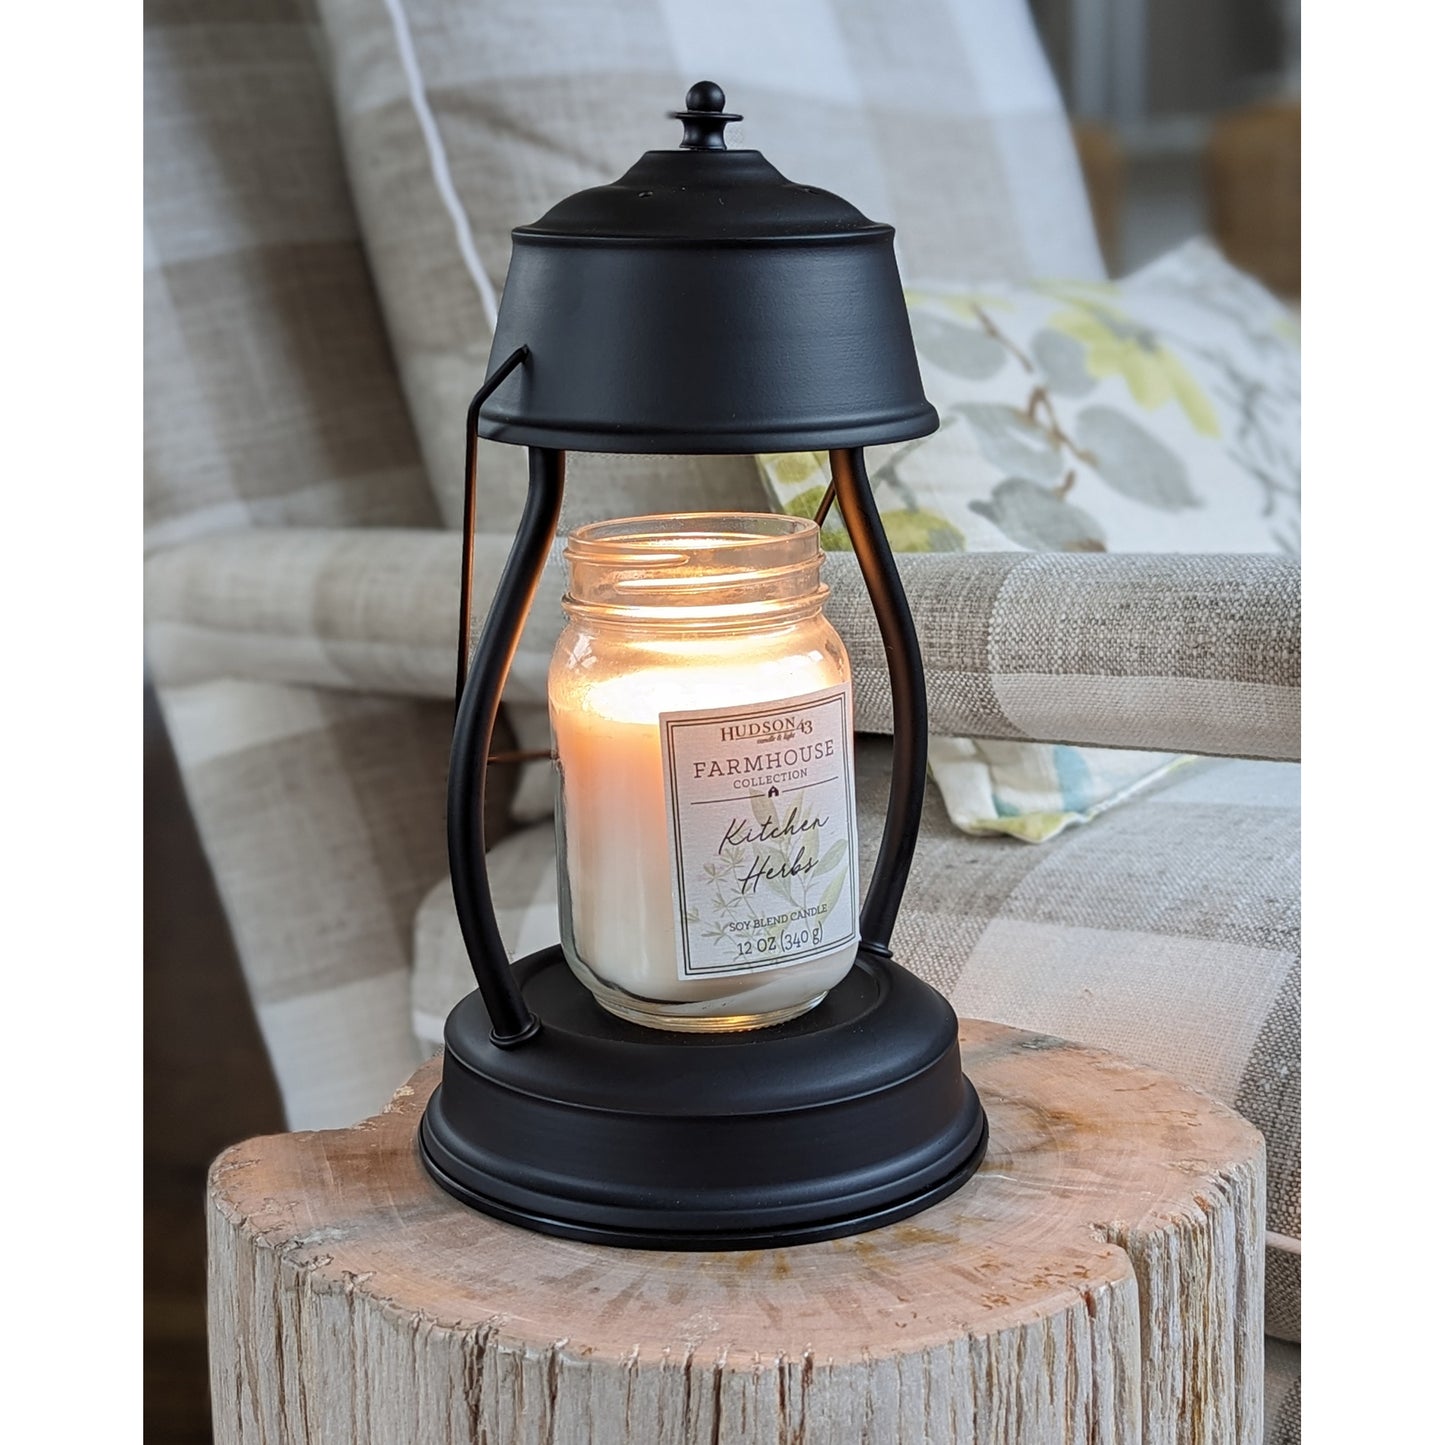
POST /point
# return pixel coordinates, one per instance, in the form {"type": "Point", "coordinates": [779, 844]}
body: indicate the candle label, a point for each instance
{"type": "Point", "coordinates": [763, 830]}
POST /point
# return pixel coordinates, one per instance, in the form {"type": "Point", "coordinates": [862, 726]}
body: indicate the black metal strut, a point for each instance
{"type": "Point", "coordinates": [476, 717]}
{"type": "Point", "coordinates": [469, 513]}
{"type": "Point", "coordinates": [910, 702]}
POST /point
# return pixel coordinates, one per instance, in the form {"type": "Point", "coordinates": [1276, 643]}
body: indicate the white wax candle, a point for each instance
{"type": "Point", "coordinates": [618, 858]}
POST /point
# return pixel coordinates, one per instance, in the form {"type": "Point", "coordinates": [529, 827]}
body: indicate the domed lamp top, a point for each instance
{"type": "Point", "coordinates": [704, 303]}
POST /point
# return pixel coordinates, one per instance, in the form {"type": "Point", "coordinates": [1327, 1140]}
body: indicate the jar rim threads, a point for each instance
{"type": "Point", "coordinates": [695, 569]}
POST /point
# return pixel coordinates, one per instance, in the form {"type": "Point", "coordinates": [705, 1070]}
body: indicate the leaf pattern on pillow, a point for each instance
{"type": "Point", "coordinates": [966, 305]}
{"type": "Point", "coordinates": [1135, 464]}
{"type": "Point", "coordinates": [1064, 363]}
{"type": "Point", "coordinates": [1039, 518]}
{"type": "Point", "coordinates": [916, 529]}
{"type": "Point", "coordinates": [966, 351]}
{"type": "Point", "coordinates": [1116, 346]}
{"type": "Point", "coordinates": [1014, 441]}
{"type": "Point", "coordinates": [1130, 408]}
{"type": "Point", "coordinates": [789, 469]}
{"type": "Point", "coordinates": [908, 529]}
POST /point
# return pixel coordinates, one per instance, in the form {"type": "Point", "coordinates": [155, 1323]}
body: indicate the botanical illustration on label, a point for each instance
{"type": "Point", "coordinates": [763, 831]}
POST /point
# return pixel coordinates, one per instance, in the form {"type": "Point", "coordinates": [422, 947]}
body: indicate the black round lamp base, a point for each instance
{"type": "Point", "coordinates": [853, 1116]}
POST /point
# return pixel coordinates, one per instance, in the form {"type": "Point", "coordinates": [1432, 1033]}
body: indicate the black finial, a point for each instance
{"type": "Point", "coordinates": [706, 95]}
{"type": "Point", "coordinates": [704, 119]}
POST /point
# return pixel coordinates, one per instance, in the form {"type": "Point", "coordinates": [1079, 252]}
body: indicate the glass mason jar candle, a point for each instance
{"type": "Point", "coordinates": [702, 722]}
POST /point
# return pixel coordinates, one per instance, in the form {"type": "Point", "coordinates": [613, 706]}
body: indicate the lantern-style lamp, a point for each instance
{"type": "Point", "coordinates": [721, 1053]}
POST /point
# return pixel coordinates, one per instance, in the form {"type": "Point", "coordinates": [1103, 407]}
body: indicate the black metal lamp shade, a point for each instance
{"type": "Point", "coordinates": [700, 304]}
{"type": "Point", "coordinates": [705, 303]}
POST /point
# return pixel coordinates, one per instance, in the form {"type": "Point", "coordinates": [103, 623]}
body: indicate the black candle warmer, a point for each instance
{"type": "Point", "coordinates": [701, 304]}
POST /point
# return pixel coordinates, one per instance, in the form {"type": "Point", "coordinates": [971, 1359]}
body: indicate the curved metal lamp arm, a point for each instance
{"type": "Point", "coordinates": [481, 698]}
{"type": "Point", "coordinates": [469, 513]}
{"type": "Point", "coordinates": [910, 704]}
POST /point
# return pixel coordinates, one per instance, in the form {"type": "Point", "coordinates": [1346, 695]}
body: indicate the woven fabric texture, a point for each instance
{"type": "Point", "coordinates": [271, 400]}
{"type": "Point", "coordinates": [1197, 654]}
{"type": "Point", "coordinates": [271, 397]}
{"type": "Point", "coordinates": [1165, 932]}
{"type": "Point", "coordinates": [1184, 654]}
{"type": "Point", "coordinates": [322, 814]}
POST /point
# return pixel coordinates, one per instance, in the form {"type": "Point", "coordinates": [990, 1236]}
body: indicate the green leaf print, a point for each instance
{"type": "Point", "coordinates": [788, 469]}
{"type": "Point", "coordinates": [1114, 345]}
{"type": "Point", "coordinates": [919, 530]}
{"type": "Point", "coordinates": [964, 351]}
{"type": "Point", "coordinates": [1134, 463]}
{"type": "Point", "coordinates": [1014, 442]}
{"type": "Point", "coordinates": [1063, 362]}
{"type": "Point", "coordinates": [805, 504]}
{"type": "Point", "coordinates": [1040, 519]}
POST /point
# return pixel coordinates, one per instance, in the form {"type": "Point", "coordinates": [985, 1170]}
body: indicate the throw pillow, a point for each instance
{"type": "Point", "coordinates": [1159, 413]}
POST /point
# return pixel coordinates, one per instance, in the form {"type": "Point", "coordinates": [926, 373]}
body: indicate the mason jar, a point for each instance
{"type": "Point", "coordinates": [702, 725]}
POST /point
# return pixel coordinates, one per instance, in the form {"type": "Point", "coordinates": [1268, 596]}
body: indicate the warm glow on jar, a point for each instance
{"type": "Point", "coordinates": [702, 722]}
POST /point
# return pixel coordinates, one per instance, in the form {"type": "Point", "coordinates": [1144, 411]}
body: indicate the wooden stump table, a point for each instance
{"type": "Point", "coordinates": [1100, 1280]}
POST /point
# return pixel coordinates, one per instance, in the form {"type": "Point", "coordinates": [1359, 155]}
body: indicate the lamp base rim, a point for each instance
{"type": "Point", "coordinates": [722, 1236]}
{"type": "Point", "coordinates": [850, 1117]}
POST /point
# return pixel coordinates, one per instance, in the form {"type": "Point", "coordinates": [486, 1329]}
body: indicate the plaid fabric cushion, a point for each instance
{"type": "Point", "coordinates": [323, 815]}
{"type": "Point", "coordinates": [270, 392]}
{"type": "Point", "coordinates": [1164, 931]}
{"type": "Point", "coordinates": [1189, 654]}
{"type": "Point", "coordinates": [271, 399]}
{"type": "Point", "coordinates": [1201, 654]}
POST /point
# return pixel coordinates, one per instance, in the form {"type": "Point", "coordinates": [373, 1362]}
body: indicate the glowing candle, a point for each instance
{"type": "Point", "coordinates": [702, 718]}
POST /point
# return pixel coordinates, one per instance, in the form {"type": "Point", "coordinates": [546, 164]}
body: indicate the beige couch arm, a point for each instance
{"type": "Point", "coordinates": [1196, 654]}
{"type": "Point", "coordinates": [305, 679]}
{"type": "Point", "coordinates": [361, 609]}
{"type": "Point", "coordinates": [1186, 654]}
